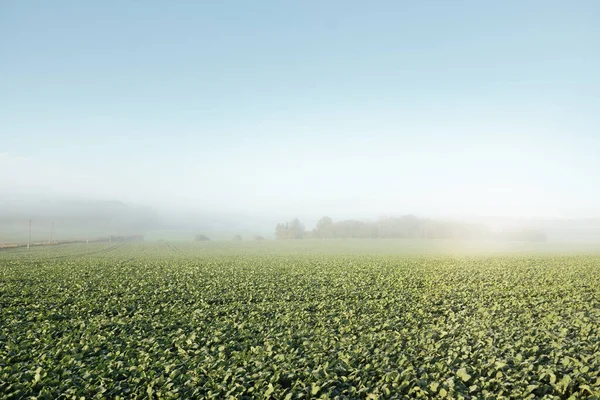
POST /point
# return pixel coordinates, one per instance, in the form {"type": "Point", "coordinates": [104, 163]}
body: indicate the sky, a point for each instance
{"type": "Point", "coordinates": [435, 108]}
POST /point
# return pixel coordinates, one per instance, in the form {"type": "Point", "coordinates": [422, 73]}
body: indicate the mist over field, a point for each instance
{"type": "Point", "coordinates": [68, 219]}
{"type": "Point", "coordinates": [477, 120]}
{"type": "Point", "coordinates": [294, 200]}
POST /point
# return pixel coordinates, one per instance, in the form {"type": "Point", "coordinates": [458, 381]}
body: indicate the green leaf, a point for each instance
{"type": "Point", "coordinates": [314, 389]}
{"type": "Point", "coordinates": [462, 374]}
{"type": "Point", "coordinates": [38, 375]}
{"type": "Point", "coordinates": [269, 391]}
{"type": "Point", "coordinates": [586, 388]}
{"type": "Point", "coordinates": [531, 388]}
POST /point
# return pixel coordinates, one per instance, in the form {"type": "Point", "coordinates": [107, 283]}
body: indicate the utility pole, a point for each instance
{"type": "Point", "coordinates": [51, 233]}
{"type": "Point", "coordinates": [29, 239]}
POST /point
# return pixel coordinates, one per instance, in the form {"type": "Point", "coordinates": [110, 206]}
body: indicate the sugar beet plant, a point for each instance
{"type": "Point", "coordinates": [157, 321]}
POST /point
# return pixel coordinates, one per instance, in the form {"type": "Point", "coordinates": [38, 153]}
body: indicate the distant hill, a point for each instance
{"type": "Point", "coordinates": [72, 219]}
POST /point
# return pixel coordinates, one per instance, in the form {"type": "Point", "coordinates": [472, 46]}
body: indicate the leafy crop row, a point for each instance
{"type": "Point", "coordinates": [150, 321]}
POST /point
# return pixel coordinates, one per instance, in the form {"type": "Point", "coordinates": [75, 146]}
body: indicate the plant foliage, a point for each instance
{"type": "Point", "coordinates": [177, 321]}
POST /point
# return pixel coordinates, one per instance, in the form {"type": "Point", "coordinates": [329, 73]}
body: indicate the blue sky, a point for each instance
{"type": "Point", "coordinates": [354, 108]}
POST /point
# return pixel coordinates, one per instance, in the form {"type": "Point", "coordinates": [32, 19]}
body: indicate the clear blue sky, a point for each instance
{"type": "Point", "coordinates": [348, 107]}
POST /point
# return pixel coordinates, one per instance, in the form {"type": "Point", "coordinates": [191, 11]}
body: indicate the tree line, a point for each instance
{"type": "Point", "coordinates": [407, 226]}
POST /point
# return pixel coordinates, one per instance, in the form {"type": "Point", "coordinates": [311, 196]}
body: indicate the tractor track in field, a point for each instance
{"type": "Point", "coordinates": [88, 253]}
{"type": "Point", "coordinates": [101, 251]}
{"type": "Point", "coordinates": [173, 248]}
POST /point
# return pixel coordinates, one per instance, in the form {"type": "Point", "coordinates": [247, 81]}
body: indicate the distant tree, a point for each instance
{"type": "Point", "coordinates": [259, 238]}
{"type": "Point", "coordinates": [324, 227]}
{"type": "Point", "coordinates": [292, 230]}
{"type": "Point", "coordinates": [201, 238]}
{"type": "Point", "coordinates": [407, 226]}
{"type": "Point", "coordinates": [237, 238]}
{"type": "Point", "coordinates": [296, 229]}
{"type": "Point", "coordinates": [281, 231]}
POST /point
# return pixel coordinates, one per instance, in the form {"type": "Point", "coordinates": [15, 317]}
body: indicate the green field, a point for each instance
{"type": "Point", "coordinates": [313, 319]}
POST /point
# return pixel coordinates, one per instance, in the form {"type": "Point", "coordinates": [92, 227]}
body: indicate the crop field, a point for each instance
{"type": "Point", "coordinates": [266, 320]}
